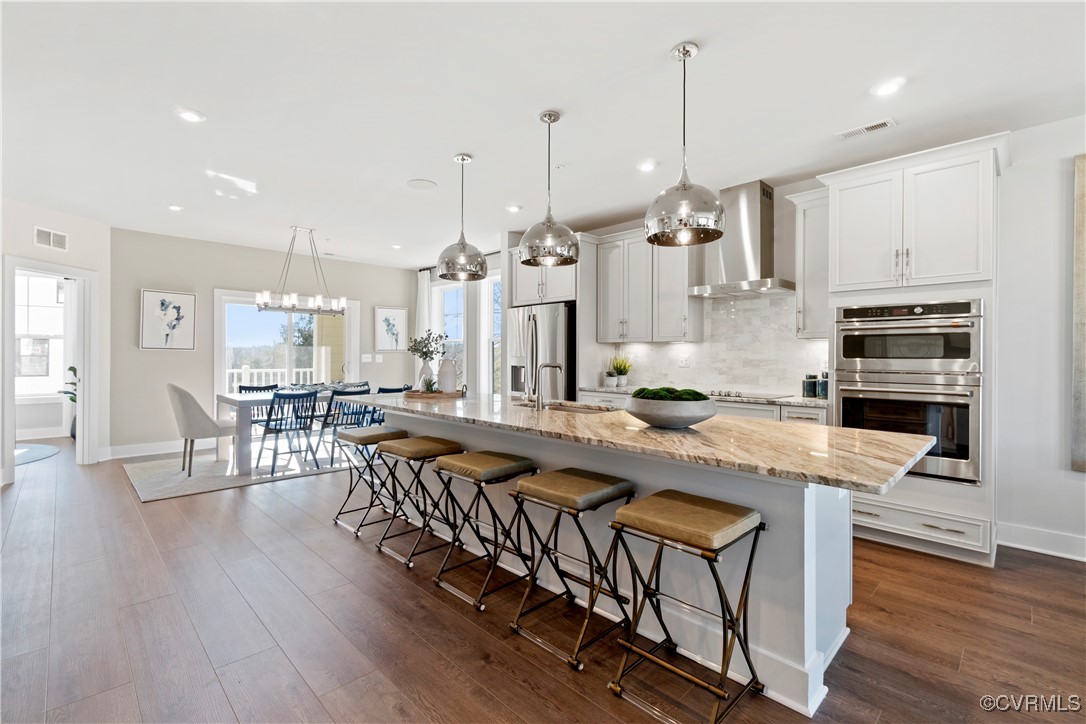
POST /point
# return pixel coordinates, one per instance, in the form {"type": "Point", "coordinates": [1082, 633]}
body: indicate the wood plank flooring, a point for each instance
{"type": "Point", "coordinates": [249, 605]}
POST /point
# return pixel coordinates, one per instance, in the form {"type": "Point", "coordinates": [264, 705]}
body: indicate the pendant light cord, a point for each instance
{"type": "Point", "coordinates": [684, 109]}
{"type": "Point", "coordinates": [549, 167]}
{"type": "Point", "coordinates": [462, 201]}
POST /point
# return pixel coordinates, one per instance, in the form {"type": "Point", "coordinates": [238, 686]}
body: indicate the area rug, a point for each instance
{"type": "Point", "coordinates": [160, 479]}
{"type": "Point", "coordinates": [26, 452]}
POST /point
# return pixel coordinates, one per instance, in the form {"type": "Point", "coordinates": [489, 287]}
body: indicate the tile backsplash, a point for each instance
{"type": "Point", "coordinates": [750, 344]}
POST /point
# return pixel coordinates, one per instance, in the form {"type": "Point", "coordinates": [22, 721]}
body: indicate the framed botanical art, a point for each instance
{"type": "Point", "coordinates": [167, 320]}
{"type": "Point", "coordinates": [390, 329]}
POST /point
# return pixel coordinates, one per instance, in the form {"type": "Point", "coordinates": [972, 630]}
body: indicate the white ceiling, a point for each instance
{"type": "Point", "coordinates": [331, 108]}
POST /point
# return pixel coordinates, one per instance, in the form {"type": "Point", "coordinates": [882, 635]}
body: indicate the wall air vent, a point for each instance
{"type": "Point", "coordinates": [865, 129]}
{"type": "Point", "coordinates": [51, 239]}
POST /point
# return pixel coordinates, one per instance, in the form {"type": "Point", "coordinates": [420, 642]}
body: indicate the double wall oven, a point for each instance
{"type": "Point", "coordinates": [915, 368]}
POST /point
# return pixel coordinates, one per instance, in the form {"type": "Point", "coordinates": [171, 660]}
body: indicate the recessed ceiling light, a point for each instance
{"type": "Point", "coordinates": [396, 246]}
{"type": "Point", "coordinates": [421, 184]}
{"type": "Point", "coordinates": [175, 207]}
{"type": "Point", "coordinates": [515, 208]}
{"type": "Point", "coordinates": [646, 165]}
{"type": "Point", "coordinates": [189, 114]}
{"type": "Point", "coordinates": [887, 87]}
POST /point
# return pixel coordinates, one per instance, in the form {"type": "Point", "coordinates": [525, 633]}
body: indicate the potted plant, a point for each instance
{"type": "Point", "coordinates": [71, 393]}
{"type": "Point", "coordinates": [427, 348]}
{"type": "Point", "coordinates": [669, 407]}
{"type": "Point", "coordinates": [610, 379]}
{"type": "Point", "coordinates": [621, 364]}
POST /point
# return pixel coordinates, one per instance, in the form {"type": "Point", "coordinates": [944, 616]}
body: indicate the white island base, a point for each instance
{"type": "Point", "coordinates": [801, 585]}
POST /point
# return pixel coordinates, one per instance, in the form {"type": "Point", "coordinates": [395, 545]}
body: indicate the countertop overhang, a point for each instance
{"type": "Point", "coordinates": [863, 460]}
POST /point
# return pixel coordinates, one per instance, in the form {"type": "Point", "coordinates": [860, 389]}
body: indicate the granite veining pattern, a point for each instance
{"type": "Point", "coordinates": [794, 401]}
{"type": "Point", "coordinates": [868, 461]}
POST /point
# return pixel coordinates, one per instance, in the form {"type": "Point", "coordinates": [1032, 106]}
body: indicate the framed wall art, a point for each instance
{"type": "Point", "coordinates": [167, 320]}
{"type": "Point", "coordinates": [390, 329]}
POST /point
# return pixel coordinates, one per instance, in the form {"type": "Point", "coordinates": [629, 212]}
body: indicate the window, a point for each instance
{"type": "Point", "coordinates": [39, 334]}
{"type": "Point", "coordinates": [447, 313]}
{"type": "Point", "coordinates": [281, 348]}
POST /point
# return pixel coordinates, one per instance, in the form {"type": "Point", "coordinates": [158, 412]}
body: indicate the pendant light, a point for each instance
{"type": "Point", "coordinates": [461, 261]}
{"type": "Point", "coordinates": [549, 243]}
{"type": "Point", "coordinates": [283, 300]}
{"type": "Point", "coordinates": [685, 214]}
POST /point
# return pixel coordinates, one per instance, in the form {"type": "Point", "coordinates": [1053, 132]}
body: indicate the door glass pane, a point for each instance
{"type": "Point", "coordinates": [951, 345]}
{"type": "Point", "coordinates": [948, 424]}
{"type": "Point", "coordinates": [301, 350]}
{"type": "Point", "coordinates": [330, 349]}
{"type": "Point", "coordinates": [256, 347]}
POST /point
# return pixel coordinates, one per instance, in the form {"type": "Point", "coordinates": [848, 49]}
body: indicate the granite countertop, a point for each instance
{"type": "Point", "coordinates": [864, 460]}
{"type": "Point", "coordinates": [794, 401]}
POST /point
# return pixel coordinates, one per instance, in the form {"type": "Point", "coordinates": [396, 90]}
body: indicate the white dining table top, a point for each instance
{"type": "Point", "coordinates": [253, 399]}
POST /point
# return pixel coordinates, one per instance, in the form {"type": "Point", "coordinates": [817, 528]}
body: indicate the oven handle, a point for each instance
{"type": "Point", "coordinates": [901, 391]}
{"type": "Point", "coordinates": [923, 325]}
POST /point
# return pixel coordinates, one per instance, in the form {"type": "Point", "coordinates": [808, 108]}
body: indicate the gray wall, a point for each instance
{"type": "Point", "coordinates": [140, 410]}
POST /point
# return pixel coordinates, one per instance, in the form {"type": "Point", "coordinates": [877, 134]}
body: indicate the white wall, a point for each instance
{"type": "Point", "coordinates": [88, 249]}
{"type": "Point", "coordinates": [1040, 501]}
{"type": "Point", "coordinates": [142, 418]}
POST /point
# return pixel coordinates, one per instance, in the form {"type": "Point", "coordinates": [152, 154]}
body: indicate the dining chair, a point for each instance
{"type": "Point", "coordinates": [290, 412]}
{"type": "Point", "coordinates": [342, 413]}
{"type": "Point", "coordinates": [193, 423]}
{"type": "Point", "coordinates": [377, 416]}
{"type": "Point", "coordinates": [260, 412]}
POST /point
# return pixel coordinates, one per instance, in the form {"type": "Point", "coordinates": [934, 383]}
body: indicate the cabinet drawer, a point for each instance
{"type": "Point", "coordinates": [603, 398]}
{"type": "Point", "coordinates": [945, 528]}
{"type": "Point", "coordinates": [748, 409]}
{"type": "Point", "coordinates": [811, 415]}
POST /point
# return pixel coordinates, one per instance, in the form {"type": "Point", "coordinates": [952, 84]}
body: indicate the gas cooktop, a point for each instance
{"type": "Point", "coordinates": [733, 394]}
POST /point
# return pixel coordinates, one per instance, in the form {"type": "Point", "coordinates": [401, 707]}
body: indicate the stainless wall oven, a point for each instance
{"type": "Point", "coordinates": [915, 369]}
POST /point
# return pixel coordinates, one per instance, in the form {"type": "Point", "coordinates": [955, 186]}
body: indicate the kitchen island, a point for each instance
{"type": "Point", "coordinates": [798, 476]}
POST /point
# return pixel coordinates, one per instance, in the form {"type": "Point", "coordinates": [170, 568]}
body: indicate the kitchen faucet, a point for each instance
{"type": "Point", "coordinates": [539, 381]}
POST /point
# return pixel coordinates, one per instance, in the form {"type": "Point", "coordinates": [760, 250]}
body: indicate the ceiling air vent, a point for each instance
{"type": "Point", "coordinates": [868, 128]}
{"type": "Point", "coordinates": [51, 239]}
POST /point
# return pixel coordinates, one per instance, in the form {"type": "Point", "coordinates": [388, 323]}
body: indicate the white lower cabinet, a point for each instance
{"type": "Point", "coordinates": [748, 409]}
{"type": "Point", "coordinates": [798, 413]}
{"type": "Point", "coordinates": [946, 528]}
{"type": "Point", "coordinates": [613, 399]}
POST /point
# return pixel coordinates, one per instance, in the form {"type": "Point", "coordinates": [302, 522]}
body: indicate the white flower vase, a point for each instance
{"type": "Point", "coordinates": [621, 380]}
{"type": "Point", "coordinates": [426, 371]}
{"type": "Point", "coordinates": [446, 375]}
{"type": "Point", "coordinates": [610, 381]}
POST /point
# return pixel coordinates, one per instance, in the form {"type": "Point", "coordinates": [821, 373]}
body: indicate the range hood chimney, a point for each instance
{"type": "Point", "coordinates": [741, 263]}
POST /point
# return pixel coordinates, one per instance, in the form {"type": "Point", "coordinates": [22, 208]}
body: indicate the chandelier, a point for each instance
{"type": "Point", "coordinates": [283, 301]}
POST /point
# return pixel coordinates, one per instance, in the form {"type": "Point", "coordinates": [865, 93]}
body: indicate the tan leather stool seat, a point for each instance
{"type": "Point", "coordinates": [575, 489]}
{"type": "Point", "coordinates": [691, 519]}
{"type": "Point", "coordinates": [370, 435]}
{"type": "Point", "coordinates": [423, 447]}
{"type": "Point", "coordinates": [484, 465]}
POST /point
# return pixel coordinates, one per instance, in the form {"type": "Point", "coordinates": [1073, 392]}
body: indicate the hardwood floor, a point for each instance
{"type": "Point", "coordinates": [249, 604]}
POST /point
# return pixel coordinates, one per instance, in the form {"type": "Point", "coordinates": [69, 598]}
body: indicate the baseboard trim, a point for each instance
{"type": "Point", "coordinates": [1039, 540]}
{"type": "Point", "coordinates": [154, 448]}
{"type": "Point", "coordinates": [40, 433]}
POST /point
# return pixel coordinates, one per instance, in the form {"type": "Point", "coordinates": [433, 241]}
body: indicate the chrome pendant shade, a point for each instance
{"type": "Point", "coordinates": [461, 261]}
{"type": "Point", "coordinates": [549, 243]}
{"type": "Point", "coordinates": [685, 214]}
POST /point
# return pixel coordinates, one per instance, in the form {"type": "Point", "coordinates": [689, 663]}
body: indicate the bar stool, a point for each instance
{"type": "Point", "coordinates": [382, 492]}
{"type": "Point", "coordinates": [571, 492]}
{"type": "Point", "coordinates": [698, 526]}
{"type": "Point", "coordinates": [480, 469]}
{"type": "Point", "coordinates": [414, 453]}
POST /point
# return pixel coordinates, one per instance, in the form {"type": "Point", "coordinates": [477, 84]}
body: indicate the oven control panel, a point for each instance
{"type": "Point", "coordinates": [963, 308]}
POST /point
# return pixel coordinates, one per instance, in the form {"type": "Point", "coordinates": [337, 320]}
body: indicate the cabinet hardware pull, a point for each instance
{"type": "Point", "coordinates": [865, 512]}
{"type": "Point", "coordinates": [897, 262]}
{"type": "Point", "coordinates": [897, 391]}
{"type": "Point", "coordinates": [684, 326]}
{"type": "Point", "coordinates": [907, 250]}
{"type": "Point", "coordinates": [939, 527]}
{"type": "Point", "coordinates": [867, 326]}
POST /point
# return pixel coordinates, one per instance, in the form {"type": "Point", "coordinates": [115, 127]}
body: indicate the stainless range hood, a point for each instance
{"type": "Point", "coordinates": [741, 263]}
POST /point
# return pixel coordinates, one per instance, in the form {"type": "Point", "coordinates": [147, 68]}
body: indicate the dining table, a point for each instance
{"type": "Point", "coordinates": [239, 406]}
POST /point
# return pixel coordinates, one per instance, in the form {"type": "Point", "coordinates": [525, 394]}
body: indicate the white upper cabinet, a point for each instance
{"type": "Point", "coordinates": [541, 284]}
{"type": "Point", "coordinates": [624, 290]}
{"type": "Point", "coordinates": [812, 264]}
{"type": "Point", "coordinates": [925, 218]}
{"type": "Point", "coordinates": [676, 317]}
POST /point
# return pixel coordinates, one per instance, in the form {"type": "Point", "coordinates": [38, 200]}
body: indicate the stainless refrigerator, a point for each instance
{"type": "Point", "coordinates": [538, 334]}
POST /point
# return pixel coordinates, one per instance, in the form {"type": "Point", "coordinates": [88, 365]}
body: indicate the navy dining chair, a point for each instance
{"type": "Point", "coordinates": [341, 413]}
{"type": "Point", "coordinates": [377, 416]}
{"type": "Point", "coordinates": [290, 413]}
{"type": "Point", "coordinates": [260, 412]}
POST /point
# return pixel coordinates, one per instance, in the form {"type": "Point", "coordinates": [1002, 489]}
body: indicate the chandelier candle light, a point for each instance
{"type": "Point", "coordinates": [549, 243]}
{"type": "Point", "coordinates": [461, 261]}
{"type": "Point", "coordinates": [685, 214]}
{"type": "Point", "coordinates": [284, 301]}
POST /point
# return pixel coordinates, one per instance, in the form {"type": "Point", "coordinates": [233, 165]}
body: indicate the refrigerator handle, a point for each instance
{"type": "Point", "coordinates": [533, 355]}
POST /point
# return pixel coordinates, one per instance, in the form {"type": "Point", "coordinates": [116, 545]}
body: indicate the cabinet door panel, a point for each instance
{"type": "Point", "coordinates": [865, 233]}
{"type": "Point", "coordinates": [813, 261]}
{"type": "Point", "coordinates": [525, 282]}
{"type": "Point", "coordinates": [609, 292]}
{"type": "Point", "coordinates": [748, 409]}
{"type": "Point", "coordinates": [669, 302]}
{"type": "Point", "coordinates": [948, 220]}
{"type": "Point", "coordinates": [560, 283]}
{"type": "Point", "coordinates": [638, 291]}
